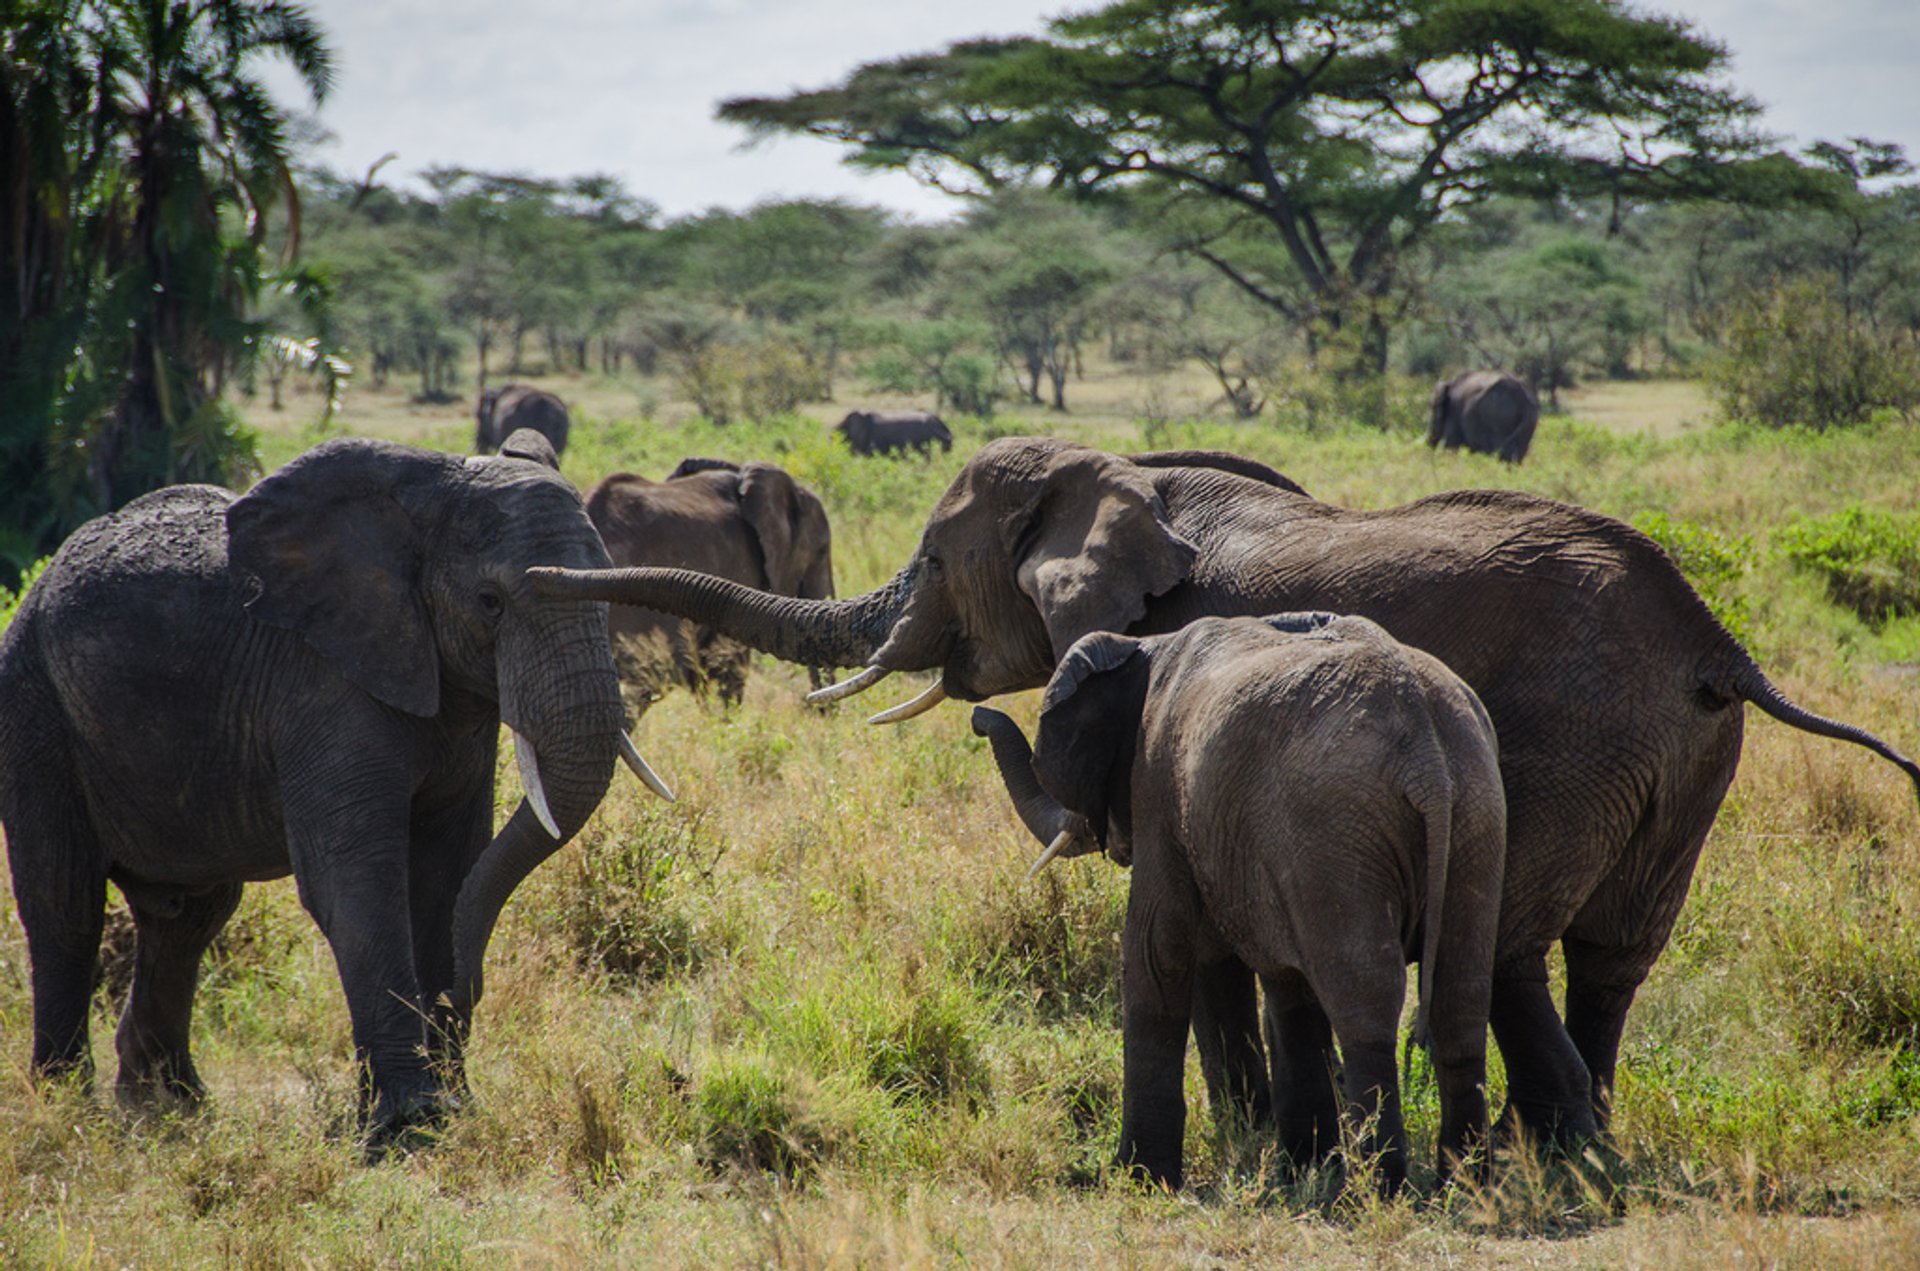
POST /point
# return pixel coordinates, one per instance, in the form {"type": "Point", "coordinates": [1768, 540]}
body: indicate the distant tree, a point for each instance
{"type": "Point", "coordinates": [1324, 138]}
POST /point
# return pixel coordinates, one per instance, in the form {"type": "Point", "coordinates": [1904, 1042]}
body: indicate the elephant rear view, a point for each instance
{"type": "Point", "coordinates": [750, 523]}
{"type": "Point", "coordinates": [500, 411]}
{"type": "Point", "coordinates": [873, 432]}
{"type": "Point", "coordinates": [1308, 795]}
{"type": "Point", "coordinates": [1488, 412]}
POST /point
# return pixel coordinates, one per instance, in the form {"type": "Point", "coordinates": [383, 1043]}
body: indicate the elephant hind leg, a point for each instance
{"type": "Point", "coordinates": [1306, 1111]}
{"type": "Point", "coordinates": [1548, 1087]}
{"type": "Point", "coordinates": [172, 932]}
{"type": "Point", "coordinates": [1226, 1032]}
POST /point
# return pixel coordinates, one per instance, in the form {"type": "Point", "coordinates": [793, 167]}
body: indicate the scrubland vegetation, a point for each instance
{"type": "Point", "coordinates": [812, 1014]}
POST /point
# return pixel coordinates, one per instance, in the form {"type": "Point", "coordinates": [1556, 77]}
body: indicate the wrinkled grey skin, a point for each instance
{"type": "Point", "coordinates": [502, 411]}
{"type": "Point", "coordinates": [203, 691]}
{"type": "Point", "coordinates": [753, 524]}
{"type": "Point", "coordinates": [876, 432]}
{"type": "Point", "coordinates": [1488, 412]}
{"type": "Point", "coordinates": [1313, 798]}
{"type": "Point", "coordinates": [1616, 695]}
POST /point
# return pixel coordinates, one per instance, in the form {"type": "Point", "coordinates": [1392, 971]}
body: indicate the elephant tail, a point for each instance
{"type": "Point", "coordinates": [1749, 683]}
{"type": "Point", "coordinates": [1437, 810]}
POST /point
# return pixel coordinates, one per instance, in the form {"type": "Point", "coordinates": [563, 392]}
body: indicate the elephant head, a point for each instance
{"type": "Point", "coordinates": [857, 428]}
{"type": "Point", "coordinates": [406, 570]}
{"type": "Point", "coordinates": [1437, 419]}
{"type": "Point", "coordinates": [1036, 543]}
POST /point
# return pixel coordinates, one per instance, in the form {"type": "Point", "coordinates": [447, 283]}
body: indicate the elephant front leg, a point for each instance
{"type": "Point", "coordinates": [1156, 1002]}
{"type": "Point", "coordinates": [1306, 1111]}
{"type": "Point", "coordinates": [1226, 1031]}
{"type": "Point", "coordinates": [448, 837]}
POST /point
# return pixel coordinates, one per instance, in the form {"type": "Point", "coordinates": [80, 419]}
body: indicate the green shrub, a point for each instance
{"type": "Point", "coordinates": [749, 1119]}
{"type": "Point", "coordinates": [1713, 562]}
{"type": "Point", "coordinates": [929, 1054]}
{"type": "Point", "coordinates": [1795, 355]}
{"type": "Point", "coordinates": [624, 907]}
{"type": "Point", "coordinates": [10, 599]}
{"type": "Point", "coordinates": [1869, 558]}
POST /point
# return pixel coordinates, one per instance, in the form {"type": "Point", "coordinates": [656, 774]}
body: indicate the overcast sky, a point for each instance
{"type": "Point", "coordinates": [566, 87]}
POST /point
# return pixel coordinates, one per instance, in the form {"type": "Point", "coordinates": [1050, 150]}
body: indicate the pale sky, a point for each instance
{"type": "Point", "coordinates": [561, 88]}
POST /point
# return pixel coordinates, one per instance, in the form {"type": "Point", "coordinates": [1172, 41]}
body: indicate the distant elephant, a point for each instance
{"type": "Point", "coordinates": [203, 691]}
{"type": "Point", "coordinates": [754, 524]}
{"type": "Point", "coordinates": [871, 432]}
{"type": "Point", "coordinates": [1319, 800]}
{"type": "Point", "coordinates": [1617, 695]}
{"type": "Point", "coordinates": [1488, 412]}
{"type": "Point", "coordinates": [501, 411]}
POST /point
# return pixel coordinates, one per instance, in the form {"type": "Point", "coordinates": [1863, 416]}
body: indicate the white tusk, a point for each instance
{"type": "Point", "coordinates": [641, 769]}
{"type": "Point", "coordinates": [920, 705]}
{"type": "Point", "coordinates": [848, 687]}
{"type": "Point", "coordinates": [1060, 843]}
{"type": "Point", "coordinates": [530, 780]}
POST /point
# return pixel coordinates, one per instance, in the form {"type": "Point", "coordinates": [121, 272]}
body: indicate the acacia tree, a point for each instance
{"type": "Point", "coordinates": [1317, 139]}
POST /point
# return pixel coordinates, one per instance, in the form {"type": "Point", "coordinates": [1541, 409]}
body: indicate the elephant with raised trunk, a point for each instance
{"type": "Point", "coordinates": [1617, 696]}
{"type": "Point", "coordinates": [203, 691]}
{"type": "Point", "coordinates": [879, 432]}
{"type": "Point", "coordinates": [1488, 412]}
{"type": "Point", "coordinates": [1313, 798]}
{"type": "Point", "coordinates": [501, 412]}
{"type": "Point", "coordinates": [752, 523]}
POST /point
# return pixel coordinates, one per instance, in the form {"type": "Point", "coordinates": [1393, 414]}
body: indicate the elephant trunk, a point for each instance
{"type": "Point", "coordinates": [809, 632]}
{"type": "Point", "coordinates": [560, 696]}
{"type": "Point", "coordinates": [1039, 811]}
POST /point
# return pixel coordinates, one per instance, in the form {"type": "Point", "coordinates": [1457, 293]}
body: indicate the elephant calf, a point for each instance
{"type": "Point", "coordinates": [502, 411]}
{"type": "Point", "coordinates": [1303, 793]}
{"type": "Point", "coordinates": [874, 432]}
{"type": "Point", "coordinates": [1488, 412]}
{"type": "Point", "coordinates": [753, 524]}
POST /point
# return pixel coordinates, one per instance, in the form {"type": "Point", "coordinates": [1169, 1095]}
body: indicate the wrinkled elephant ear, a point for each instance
{"type": "Point", "coordinates": [770, 502]}
{"type": "Point", "coordinates": [1094, 546]}
{"type": "Point", "coordinates": [1089, 726]}
{"type": "Point", "coordinates": [527, 443]}
{"type": "Point", "coordinates": [327, 547]}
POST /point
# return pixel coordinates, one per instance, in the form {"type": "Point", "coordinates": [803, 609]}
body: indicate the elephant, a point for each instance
{"type": "Point", "coordinates": [1317, 799]}
{"type": "Point", "coordinates": [1488, 412]}
{"type": "Point", "coordinates": [872, 432]}
{"type": "Point", "coordinates": [203, 691]}
{"type": "Point", "coordinates": [1617, 696]}
{"type": "Point", "coordinates": [754, 524]}
{"type": "Point", "coordinates": [504, 410]}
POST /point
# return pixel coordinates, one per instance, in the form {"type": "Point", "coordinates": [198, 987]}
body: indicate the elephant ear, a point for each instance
{"type": "Point", "coordinates": [770, 502]}
{"type": "Point", "coordinates": [1094, 546]}
{"type": "Point", "coordinates": [1090, 725]}
{"type": "Point", "coordinates": [327, 547]}
{"type": "Point", "coordinates": [532, 445]}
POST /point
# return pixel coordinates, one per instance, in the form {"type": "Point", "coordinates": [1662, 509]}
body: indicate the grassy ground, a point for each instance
{"type": "Point", "coordinates": [812, 1016]}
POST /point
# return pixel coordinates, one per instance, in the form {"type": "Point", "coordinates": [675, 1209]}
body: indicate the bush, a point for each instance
{"type": "Point", "coordinates": [10, 599]}
{"type": "Point", "coordinates": [1869, 558]}
{"type": "Point", "coordinates": [1713, 562]}
{"type": "Point", "coordinates": [623, 908]}
{"type": "Point", "coordinates": [749, 1119]}
{"type": "Point", "coordinates": [929, 1054]}
{"type": "Point", "coordinates": [1794, 355]}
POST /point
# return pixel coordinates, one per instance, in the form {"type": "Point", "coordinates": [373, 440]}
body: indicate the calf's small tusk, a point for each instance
{"type": "Point", "coordinates": [848, 687]}
{"type": "Point", "coordinates": [642, 769]}
{"type": "Point", "coordinates": [530, 781]}
{"type": "Point", "coordinates": [1061, 842]}
{"type": "Point", "coordinates": [920, 705]}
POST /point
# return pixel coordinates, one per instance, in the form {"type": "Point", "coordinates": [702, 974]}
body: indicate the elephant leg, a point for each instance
{"type": "Point", "coordinates": [1156, 983]}
{"type": "Point", "coordinates": [1596, 1017]}
{"type": "Point", "coordinates": [1226, 1032]}
{"type": "Point", "coordinates": [448, 839]}
{"type": "Point", "coordinates": [1548, 1089]}
{"type": "Point", "coordinates": [1300, 1040]}
{"type": "Point", "coordinates": [171, 934]}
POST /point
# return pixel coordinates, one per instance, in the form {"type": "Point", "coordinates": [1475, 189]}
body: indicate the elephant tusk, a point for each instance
{"type": "Point", "coordinates": [530, 780]}
{"type": "Point", "coordinates": [642, 769]}
{"type": "Point", "coordinates": [920, 705]}
{"type": "Point", "coordinates": [1061, 842]}
{"type": "Point", "coordinates": [848, 687]}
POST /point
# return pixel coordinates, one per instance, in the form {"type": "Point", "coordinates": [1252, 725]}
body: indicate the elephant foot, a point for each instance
{"type": "Point", "coordinates": [171, 1086]}
{"type": "Point", "coordinates": [404, 1122]}
{"type": "Point", "coordinates": [1154, 1174]}
{"type": "Point", "coordinates": [1563, 1129]}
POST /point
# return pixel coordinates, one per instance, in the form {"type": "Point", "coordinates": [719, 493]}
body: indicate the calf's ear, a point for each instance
{"type": "Point", "coordinates": [1090, 727]}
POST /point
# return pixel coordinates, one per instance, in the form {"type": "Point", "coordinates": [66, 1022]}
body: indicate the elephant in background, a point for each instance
{"type": "Point", "coordinates": [203, 691]}
{"type": "Point", "coordinates": [870, 432]}
{"type": "Point", "coordinates": [1313, 798]}
{"type": "Point", "coordinates": [751, 523]}
{"type": "Point", "coordinates": [504, 410]}
{"type": "Point", "coordinates": [1488, 412]}
{"type": "Point", "coordinates": [1617, 696]}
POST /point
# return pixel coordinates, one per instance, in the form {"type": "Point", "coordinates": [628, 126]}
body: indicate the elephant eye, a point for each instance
{"type": "Point", "coordinates": [492, 603]}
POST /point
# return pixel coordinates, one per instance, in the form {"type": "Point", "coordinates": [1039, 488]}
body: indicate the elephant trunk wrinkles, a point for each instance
{"type": "Point", "coordinates": [823, 633]}
{"type": "Point", "coordinates": [566, 707]}
{"type": "Point", "coordinates": [1039, 811]}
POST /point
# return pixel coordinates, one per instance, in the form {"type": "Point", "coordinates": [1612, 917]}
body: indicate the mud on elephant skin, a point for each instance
{"type": "Point", "coordinates": [752, 523]}
{"type": "Point", "coordinates": [1488, 412]}
{"type": "Point", "coordinates": [501, 412]}
{"type": "Point", "coordinates": [1319, 801]}
{"type": "Point", "coordinates": [1617, 697]}
{"type": "Point", "coordinates": [203, 691]}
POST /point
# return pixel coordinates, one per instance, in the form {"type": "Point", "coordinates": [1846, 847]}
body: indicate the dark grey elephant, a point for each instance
{"type": "Point", "coordinates": [1319, 801]}
{"type": "Point", "coordinates": [1488, 412]}
{"type": "Point", "coordinates": [874, 432]}
{"type": "Point", "coordinates": [1616, 695]}
{"type": "Point", "coordinates": [203, 691]}
{"type": "Point", "coordinates": [754, 524]}
{"type": "Point", "coordinates": [504, 410]}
